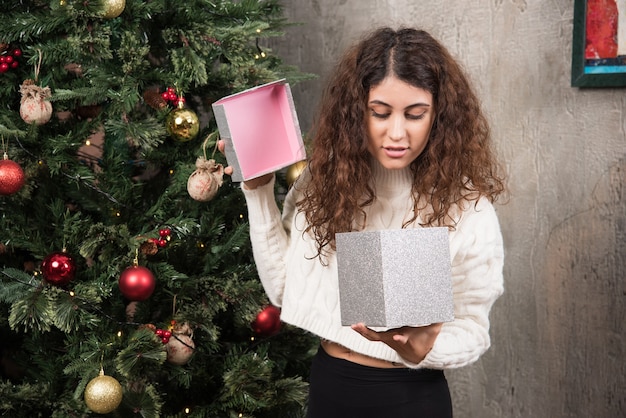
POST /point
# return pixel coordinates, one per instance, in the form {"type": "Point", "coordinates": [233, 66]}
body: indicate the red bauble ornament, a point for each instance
{"type": "Point", "coordinates": [137, 283]}
{"type": "Point", "coordinates": [11, 176]}
{"type": "Point", "coordinates": [58, 268]}
{"type": "Point", "coordinates": [267, 322]}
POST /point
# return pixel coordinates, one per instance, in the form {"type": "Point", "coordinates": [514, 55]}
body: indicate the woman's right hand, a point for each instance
{"type": "Point", "coordinates": [411, 343]}
{"type": "Point", "coordinates": [248, 184]}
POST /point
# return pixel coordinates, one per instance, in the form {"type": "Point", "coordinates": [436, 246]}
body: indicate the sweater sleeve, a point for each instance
{"type": "Point", "coordinates": [477, 262]}
{"type": "Point", "coordinates": [269, 236]}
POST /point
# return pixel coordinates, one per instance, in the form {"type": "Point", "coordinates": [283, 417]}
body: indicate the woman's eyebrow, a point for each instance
{"type": "Point", "coordinates": [411, 106]}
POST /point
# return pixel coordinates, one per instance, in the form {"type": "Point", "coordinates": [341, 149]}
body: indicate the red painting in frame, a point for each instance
{"type": "Point", "coordinates": [599, 43]}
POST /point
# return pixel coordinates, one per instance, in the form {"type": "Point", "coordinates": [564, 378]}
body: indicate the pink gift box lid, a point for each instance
{"type": "Point", "coordinates": [260, 129]}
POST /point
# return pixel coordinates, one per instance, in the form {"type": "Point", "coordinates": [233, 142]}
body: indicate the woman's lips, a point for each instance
{"type": "Point", "coordinates": [395, 152]}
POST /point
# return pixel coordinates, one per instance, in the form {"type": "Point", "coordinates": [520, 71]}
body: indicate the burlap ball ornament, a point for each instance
{"type": "Point", "coordinates": [204, 183]}
{"type": "Point", "coordinates": [33, 106]}
{"type": "Point", "coordinates": [180, 347]}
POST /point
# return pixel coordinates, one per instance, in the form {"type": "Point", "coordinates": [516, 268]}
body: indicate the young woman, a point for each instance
{"type": "Point", "coordinates": [400, 141]}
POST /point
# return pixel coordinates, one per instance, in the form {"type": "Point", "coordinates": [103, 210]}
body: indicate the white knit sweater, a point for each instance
{"type": "Point", "coordinates": [307, 291]}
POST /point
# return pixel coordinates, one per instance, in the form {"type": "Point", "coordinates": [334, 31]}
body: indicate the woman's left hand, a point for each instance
{"type": "Point", "coordinates": [411, 343]}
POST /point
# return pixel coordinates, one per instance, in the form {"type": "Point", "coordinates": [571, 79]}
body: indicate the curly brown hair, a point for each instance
{"type": "Point", "coordinates": [457, 165]}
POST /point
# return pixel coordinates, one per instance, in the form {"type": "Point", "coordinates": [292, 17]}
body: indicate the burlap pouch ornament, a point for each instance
{"type": "Point", "coordinates": [204, 183]}
{"type": "Point", "coordinates": [33, 106]}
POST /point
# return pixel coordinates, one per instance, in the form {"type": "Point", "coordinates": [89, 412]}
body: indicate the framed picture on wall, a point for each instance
{"type": "Point", "coordinates": [599, 43]}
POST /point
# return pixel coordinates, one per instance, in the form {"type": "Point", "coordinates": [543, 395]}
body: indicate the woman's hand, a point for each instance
{"type": "Point", "coordinates": [248, 184]}
{"type": "Point", "coordinates": [411, 343]}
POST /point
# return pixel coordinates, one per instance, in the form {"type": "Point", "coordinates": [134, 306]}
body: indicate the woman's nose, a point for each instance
{"type": "Point", "coordinates": [397, 129]}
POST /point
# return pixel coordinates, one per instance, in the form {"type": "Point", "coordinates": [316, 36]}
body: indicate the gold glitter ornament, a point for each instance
{"type": "Point", "coordinates": [103, 394]}
{"type": "Point", "coordinates": [294, 171]}
{"type": "Point", "coordinates": [182, 124]}
{"type": "Point", "coordinates": [113, 8]}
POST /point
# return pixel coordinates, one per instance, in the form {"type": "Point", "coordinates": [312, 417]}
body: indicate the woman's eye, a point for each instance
{"type": "Point", "coordinates": [380, 115]}
{"type": "Point", "coordinates": [409, 116]}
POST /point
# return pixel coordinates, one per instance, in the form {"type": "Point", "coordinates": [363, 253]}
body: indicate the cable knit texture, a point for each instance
{"type": "Point", "coordinates": [307, 290]}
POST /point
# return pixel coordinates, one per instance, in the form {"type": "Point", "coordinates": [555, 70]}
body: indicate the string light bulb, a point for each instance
{"type": "Point", "coordinates": [260, 53]}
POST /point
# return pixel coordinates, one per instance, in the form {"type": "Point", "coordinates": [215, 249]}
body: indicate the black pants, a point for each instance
{"type": "Point", "coordinates": [340, 388]}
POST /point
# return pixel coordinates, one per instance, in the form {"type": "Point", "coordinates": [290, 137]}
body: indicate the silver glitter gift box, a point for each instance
{"type": "Point", "coordinates": [260, 129]}
{"type": "Point", "coordinates": [394, 278]}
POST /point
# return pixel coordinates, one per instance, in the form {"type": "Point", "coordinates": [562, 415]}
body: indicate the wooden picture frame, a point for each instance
{"type": "Point", "coordinates": [604, 70]}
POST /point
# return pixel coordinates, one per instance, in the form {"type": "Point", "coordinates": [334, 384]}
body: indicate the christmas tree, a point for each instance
{"type": "Point", "coordinates": [127, 285]}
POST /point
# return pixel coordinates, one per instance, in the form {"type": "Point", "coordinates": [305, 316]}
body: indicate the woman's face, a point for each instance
{"type": "Point", "coordinates": [399, 120]}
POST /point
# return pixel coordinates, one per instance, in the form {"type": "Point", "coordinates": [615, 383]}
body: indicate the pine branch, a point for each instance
{"type": "Point", "coordinates": [144, 401]}
{"type": "Point", "coordinates": [19, 285]}
{"type": "Point", "coordinates": [18, 400]}
{"type": "Point", "coordinates": [30, 26]}
{"type": "Point", "coordinates": [33, 313]}
{"type": "Point", "coordinates": [143, 350]}
{"type": "Point", "coordinates": [147, 133]}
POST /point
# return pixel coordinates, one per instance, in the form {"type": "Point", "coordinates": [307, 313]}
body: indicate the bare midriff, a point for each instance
{"type": "Point", "coordinates": [339, 351]}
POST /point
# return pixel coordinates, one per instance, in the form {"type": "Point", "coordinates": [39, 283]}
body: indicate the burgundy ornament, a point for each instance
{"type": "Point", "coordinates": [267, 322]}
{"type": "Point", "coordinates": [12, 177]}
{"type": "Point", "coordinates": [137, 283]}
{"type": "Point", "coordinates": [58, 268]}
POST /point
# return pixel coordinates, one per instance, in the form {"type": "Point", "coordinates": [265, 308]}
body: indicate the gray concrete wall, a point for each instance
{"type": "Point", "coordinates": [559, 331]}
